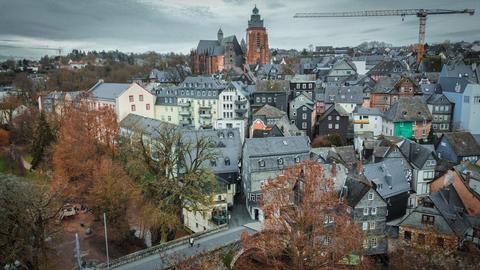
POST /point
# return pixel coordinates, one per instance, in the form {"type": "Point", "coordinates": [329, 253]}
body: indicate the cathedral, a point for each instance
{"type": "Point", "coordinates": [257, 41]}
{"type": "Point", "coordinates": [224, 53]}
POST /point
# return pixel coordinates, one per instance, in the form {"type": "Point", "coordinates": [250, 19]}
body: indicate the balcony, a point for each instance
{"type": "Point", "coordinates": [240, 111]}
{"type": "Point", "coordinates": [363, 121]}
{"type": "Point", "coordinates": [240, 102]}
{"type": "Point", "coordinates": [205, 115]}
{"type": "Point", "coordinates": [185, 113]}
{"type": "Point", "coordinates": [187, 104]}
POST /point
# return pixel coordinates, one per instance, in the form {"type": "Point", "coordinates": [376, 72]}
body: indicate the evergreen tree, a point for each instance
{"type": "Point", "coordinates": [44, 137]}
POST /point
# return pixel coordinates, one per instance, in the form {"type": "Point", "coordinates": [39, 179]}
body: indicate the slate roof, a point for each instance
{"type": "Point", "coordinates": [438, 99]}
{"type": "Point", "coordinates": [149, 126]}
{"type": "Point", "coordinates": [273, 146]}
{"type": "Point", "coordinates": [350, 94]}
{"type": "Point", "coordinates": [344, 154]}
{"type": "Point", "coordinates": [269, 112]}
{"type": "Point", "coordinates": [388, 67]}
{"type": "Point", "coordinates": [416, 153]}
{"type": "Point", "coordinates": [428, 89]}
{"type": "Point", "coordinates": [450, 206]}
{"type": "Point", "coordinates": [272, 86]}
{"type": "Point", "coordinates": [359, 110]}
{"type": "Point", "coordinates": [408, 109]}
{"type": "Point", "coordinates": [330, 109]}
{"type": "Point", "coordinates": [226, 144]}
{"type": "Point", "coordinates": [108, 91]}
{"type": "Point", "coordinates": [388, 173]}
{"type": "Point", "coordinates": [385, 85]}
{"type": "Point", "coordinates": [458, 70]}
{"type": "Point", "coordinates": [463, 143]}
{"type": "Point", "coordinates": [355, 190]}
{"type": "Point", "coordinates": [414, 219]}
{"type": "Point", "coordinates": [451, 84]}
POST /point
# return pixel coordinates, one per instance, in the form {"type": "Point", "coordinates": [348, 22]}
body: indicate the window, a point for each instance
{"type": "Point", "coordinates": [280, 161]}
{"type": "Point", "coordinates": [304, 125]}
{"type": "Point", "coordinates": [421, 239]}
{"type": "Point", "coordinates": [374, 211]}
{"type": "Point", "coordinates": [133, 108]}
{"type": "Point", "coordinates": [169, 118]}
{"type": "Point", "coordinates": [304, 116]}
{"type": "Point", "coordinates": [264, 99]}
{"type": "Point", "coordinates": [147, 106]}
{"type": "Point", "coordinates": [427, 219]}
{"type": "Point", "coordinates": [440, 242]}
{"type": "Point", "coordinates": [269, 100]}
{"type": "Point", "coordinates": [140, 97]}
{"type": "Point", "coordinates": [373, 242]}
{"type": "Point", "coordinates": [365, 226]}
{"type": "Point", "coordinates": [329, 126]}
{"type": "Point", "coordinates": [371, 225]}
{"type": "Point", "coordinates": [365, 243]}
{"type": "Point", "coordinates": [370, 196]}
{"type": "Point", "coordinates": [407, 236]}
{"type": "Point", "coordinates": [297, 159]}
{"type": "Point", "coordinates": [476, 99]}
{"type": "Point", "coordinates": [130, 98]}
{"type": "Point", "coordinates": [329, 117]}
{"type": "Point", "coordinates": [304, 86]}
{"type": "Point", "coordinates": [365, 211]}
{"type": "Point", "coordinates": [258, 99]}
{"type": "Point", "coordinates": [261, 163]}
{"type": "Point", "coordinates": [338, 118]}
{"type": "Point", "coordinates": [336, 126]}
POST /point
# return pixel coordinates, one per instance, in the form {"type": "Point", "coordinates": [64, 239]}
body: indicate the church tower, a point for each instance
{"type": "Point", "coordinates": [257, 40]}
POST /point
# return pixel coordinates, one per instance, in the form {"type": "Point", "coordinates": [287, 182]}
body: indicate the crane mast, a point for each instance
{"type": "Point", "coordinates": [420, 13]}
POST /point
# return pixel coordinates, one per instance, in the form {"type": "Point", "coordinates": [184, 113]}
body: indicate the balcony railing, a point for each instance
{"type": "Point", "coordinates": [205, 115]}
{"type": "Point", "coordinates": [185, 112]}
{"type": "Point", "coordinates": [240, 102]}
{"type": "Point", "coordinates": [186, 104]}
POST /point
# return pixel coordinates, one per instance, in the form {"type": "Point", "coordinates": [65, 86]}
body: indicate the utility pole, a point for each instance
{"type": "Point", "coordinates": [106, 238]}
{"type": "Point", "coordinates": [77, 251]}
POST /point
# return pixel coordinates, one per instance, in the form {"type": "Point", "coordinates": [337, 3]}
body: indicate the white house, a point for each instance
{"type": "Point", "coordinates": [367, 119]}
{"type": "Point", "coordinates": [124, 98]}
{"type": "Point", "coordinates": [233, 107]}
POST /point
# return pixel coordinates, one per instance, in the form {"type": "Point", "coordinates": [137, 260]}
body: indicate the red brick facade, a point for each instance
{"type": "Point", "coordinates": [257, 46]}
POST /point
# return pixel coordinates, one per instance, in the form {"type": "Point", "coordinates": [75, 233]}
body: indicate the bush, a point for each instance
{"type": "Point", "coordinates": [4, 137]}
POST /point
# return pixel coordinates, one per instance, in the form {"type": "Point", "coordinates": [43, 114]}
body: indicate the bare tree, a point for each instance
{"type": "Point", "coordinates": [307, 225]}
{"type": "Point", "coordinates": [27, 212]}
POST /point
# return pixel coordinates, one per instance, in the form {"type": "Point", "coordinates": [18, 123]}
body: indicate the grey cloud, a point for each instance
{"type": "Point", "coordinates": [134, 25]}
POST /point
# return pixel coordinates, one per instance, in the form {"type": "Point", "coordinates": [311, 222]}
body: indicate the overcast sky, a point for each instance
{"type": "Point", "coordinates": [177, 25]}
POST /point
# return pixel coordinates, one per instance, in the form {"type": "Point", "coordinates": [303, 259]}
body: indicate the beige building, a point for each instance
{"type": "Point", "coordinates": [124, 98]}
{"type": "Point", "coordinates": [194, 103]}
{"type": "Point", "coordinates": [227, 173]}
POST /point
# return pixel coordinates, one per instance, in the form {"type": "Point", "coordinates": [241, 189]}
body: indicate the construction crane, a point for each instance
{"type": "Point", "coordinates": [420, 13]}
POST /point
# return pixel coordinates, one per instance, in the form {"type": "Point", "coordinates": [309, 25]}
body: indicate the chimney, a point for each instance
{"type": "Point", "coordinates": [359, 167]}
{"type": "Point", "coordinates": [334, 169]}
{"type": "Point", "coordinates": [468, 175]}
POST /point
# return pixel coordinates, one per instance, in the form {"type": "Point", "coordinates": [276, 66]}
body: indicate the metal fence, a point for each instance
{"type": "Point", "coordinates": [159, 248]}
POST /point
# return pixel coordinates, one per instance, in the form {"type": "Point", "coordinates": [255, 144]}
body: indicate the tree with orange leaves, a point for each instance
{"type": "Point", "coordinates": [307, 225]}
{"type": "Point", "coordinates": [85, 135]}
